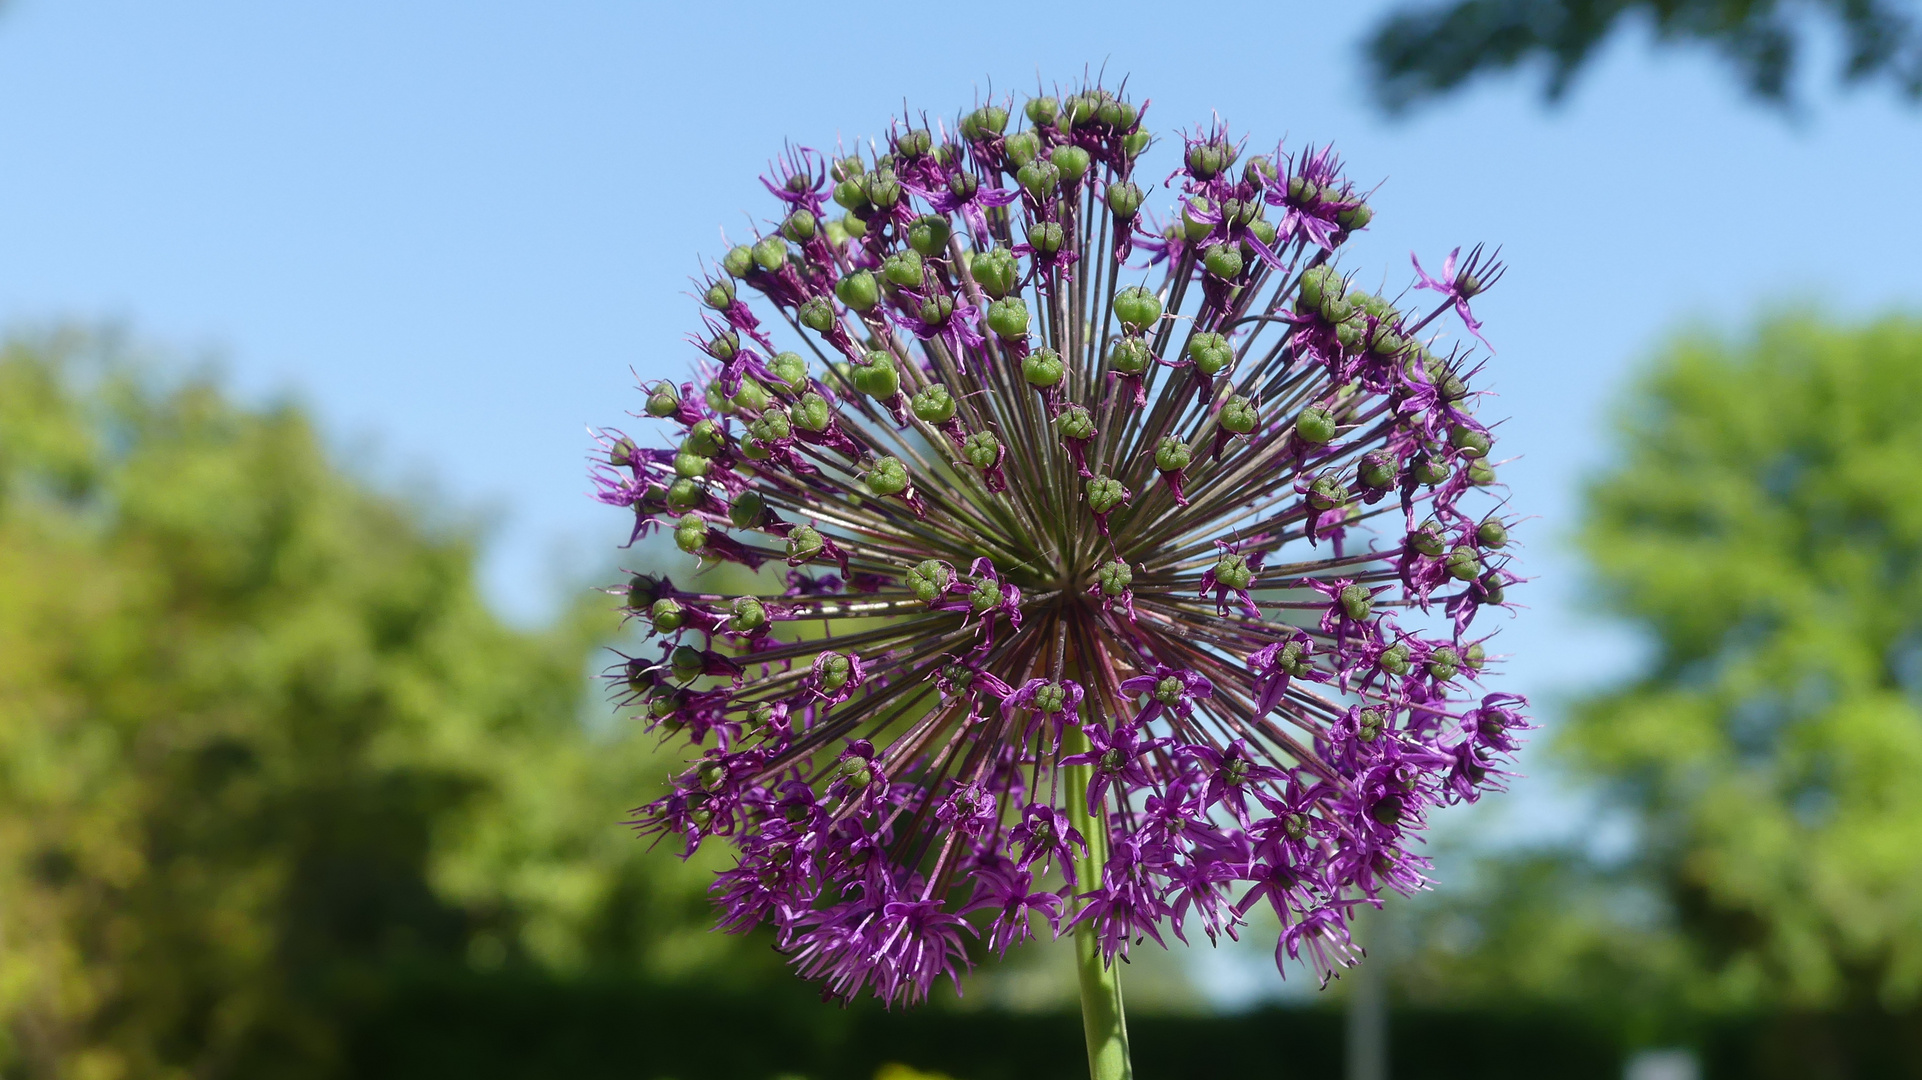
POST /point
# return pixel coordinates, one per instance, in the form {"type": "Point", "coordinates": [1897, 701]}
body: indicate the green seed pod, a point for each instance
{"type": "Point", "coordinates": [1355, 217]}
{"type": "Point", "coordinates": [738, 260]}
{"type": "Point", "coordinates": [1475, 656]}
{"type": "Point", "coordinates": [803, 543]}
{"type": "Point", "coordinates": [883, 189]}
{"type": "Point", "coordinates": [1042, 111]}
{"type": "Point", "coordinates": [1221, 260]}
{"type": "Point", "coordinates": [1370, 722]}
{"type": "Point", "coordinates": [996, 271]}
{"type": "Point", "coordinates": [1318, 285]}
{"type": "Point", "coordinates": [1207, 160]}
{"type": "Point", "coordinates": [1262, 230]}
{"type": "Point", "coordinates": [1134, 142]}
{"type": "Point", "coordinates": [859, 290]}
{"type": "Point", "coordinates": [1130, 356]}
{"type": "Point", "coordinates": [1443, 663]}
{"type": "Point", "coordinates": [903, 268]}
{"type": "Point", "coordinates": [937, 309]}
{"type": "Point", "coordinates": [817, 314]}
{"type": "Point", "coordinates": [1463, 563]}
{"type": "Point", "coordinates": [1021, 148]}
{"type": "Point", "coordinates": [1050, 698]}
{"type": "Point", "coordinates": [1377, 470]}
{"type": "Point", "coordinates": [1071, 163]}
{"type": "Point", "coordinates": [667, 615]}
{"type": "Point", "coordinates": [1295, 659]}
{"type": "Point", "coordinates": [928, 234]}
{"type": "Point", "coordinates": [621, 454]}
{"type": "Point", "coordinates": [773, 425]}
{"type": "Point", "coordinates": [747, 615]}
{"type": "Point", "coordinates": [704, 438]}
{"type": "Point", "coordinates": [1427, 539]}
{"type": "Point", "coordinates": [855, 771]}
{"type": "Point", "coordinates": [813, 412]}
{"type": "Point", "coordinates": [1074, 422]}
{"type": "Point", "coordinates": [888, 477]}
{"type": "Point", "coordinates": [1233, 571]}
{"type": "Point", "coordinates": [1194, 229]}
{"type": "Point", "coordinates": [987, 593]}
{"type": "Point", "coordinates": [791, 368]}
{"type": "Point", "coordinates": [1357, 601]}
{"type": "Point", "coordinates": [1394, 659]}
{"type": "Point", "coordinates": [1046, 237]}
{"type": "Point", "coordinates": [642, 590]}
{"type": "Point", "coordinates": [1043, 368]}
{"type": "Point", "coordinates": [981, 449]}
{"type": "Point", "coordinates": [847, 168]}
{"type": "Point", "coordinates": [852, 226]}
{"type": "Point", "coordinates": [1480, 472]}
{"type": "Point", "coordinates": [1172, 454]}
{"type": "Point", "coordinates": [719, 295]}
{"type": "Point", "coordinates": [1491, 533]}
{"type": "Point", "coordinates": [1125, 199]}
{"type": "Point", "coordinates": [1008, 318]}
{"type": "Point", "coordinates": [877, 378]}
{"type": "Point", "coordinates": [724, 346]}
{"type": "Point", "coordinates": [835, 672]}
{"type": "Point", "coordinates": [685, 494]}
{"type": "Point", "coordinates": [1238, 414]}
{"type": "Point", "coordinates": [984, 122]}
{"type": "Point", "coordinates": [1326, 492]}
{"type": "Point", "coordinates": [1114, 577]}
{"type": "Point", "coordinates": [1471, 443]}
{"type": "Point", "coordinates": [1492, 587]}
{"type": "Point", "coordinates": [752, 396]}
{"type": "Point", "coordinates": [800, 226]}
{"type": "Point", "coordinates": [1105, 493]}
{"type": "Point", "coordinates": [1137, 308]}
{"type": "Point", "coordinates": [692, 466]}
{"type": "Point", "coordinates": [663, 401]}
{"type": "Point", "coordinates": [1210, 353]}
{"type": "Point", "coordinates": [914, 143]}
{"type": "Point", "coordinates": [690, 534]}
{"type": "Point", "coordinates": [687, 662]}
{"type": "Point", "coordinates": [663, 704]}
{"type": "Point", "coordinates": [929, 580]}
{"type": "Point", "coordinates": [1430, 468]}
{"type": "Point", "coordinates": [770, 253]}
{"type": "Point", "coordinates": [747, 509]}
{"type": "Point", "coordinates": [933, 405]}
{"type": "Point", "coordinates": [1315, 426]}
{"type": "Point", "coordinates": [754, 449]}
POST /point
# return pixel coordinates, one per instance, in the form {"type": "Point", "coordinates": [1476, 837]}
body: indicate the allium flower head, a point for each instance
{"type": "Point", "coordinates": [1130, 574]}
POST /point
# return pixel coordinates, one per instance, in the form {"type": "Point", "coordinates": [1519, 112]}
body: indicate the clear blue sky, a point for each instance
{"type": "Point", "coordinates": [452, 228]}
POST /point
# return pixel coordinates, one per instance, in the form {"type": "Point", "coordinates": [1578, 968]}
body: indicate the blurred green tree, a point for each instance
{"type": "Point", "coordinates": [1761, 526]}
{"type": "Point", "coordinates": [262, 745]}
{"type": "Point", "coordinates": [1421, 52]}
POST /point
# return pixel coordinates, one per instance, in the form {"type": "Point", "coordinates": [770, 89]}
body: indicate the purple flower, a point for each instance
{"type": "Point", "coordinates": [1223, 515]}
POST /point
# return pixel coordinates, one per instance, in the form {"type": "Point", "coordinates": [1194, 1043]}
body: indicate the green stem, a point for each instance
{"type": "Point", "coordinates": [1102, 1021]}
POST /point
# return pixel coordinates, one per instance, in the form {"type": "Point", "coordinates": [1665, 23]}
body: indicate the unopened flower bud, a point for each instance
{"type": "Point", "coordinates": [1008, 318]}
{"type": "Point", "coordinates": [1315, 426]}
{"type": "Point", "coordinates": [1137, 308]}
{"type": "Point", "coordinates": [1171, 454]}
{"type": "Point", "coordinates": [1114, 576]}
{"type": "Point", "coordinates": [929, 580]}
{"type": "Point", "coordinates": [1042, 368]}
{"type": "Point", "coordinates": [859, 290]}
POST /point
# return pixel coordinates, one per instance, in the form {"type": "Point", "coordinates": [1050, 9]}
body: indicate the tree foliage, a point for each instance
{"type": "Point", "coordinates": [1420, 52]}
{"type": "Point", "coordinates": [1763, 527]}
{"type": "Point", "coordinates": [262, 745]}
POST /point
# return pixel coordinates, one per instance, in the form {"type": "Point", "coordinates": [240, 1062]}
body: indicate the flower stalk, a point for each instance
{"type": "Point", "coordinates": [1103, 1022]}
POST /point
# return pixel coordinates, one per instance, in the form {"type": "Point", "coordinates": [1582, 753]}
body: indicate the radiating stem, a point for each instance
{"type": "Point", "coordinates": [1102, 1021]}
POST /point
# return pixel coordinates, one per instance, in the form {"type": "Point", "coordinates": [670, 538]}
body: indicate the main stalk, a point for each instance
{"type": "Point", "coordinates": [1102, 1021]}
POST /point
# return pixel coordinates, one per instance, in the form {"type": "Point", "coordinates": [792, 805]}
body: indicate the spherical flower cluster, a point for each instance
{"type": "Point", "coordinates": [1119, 576]}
